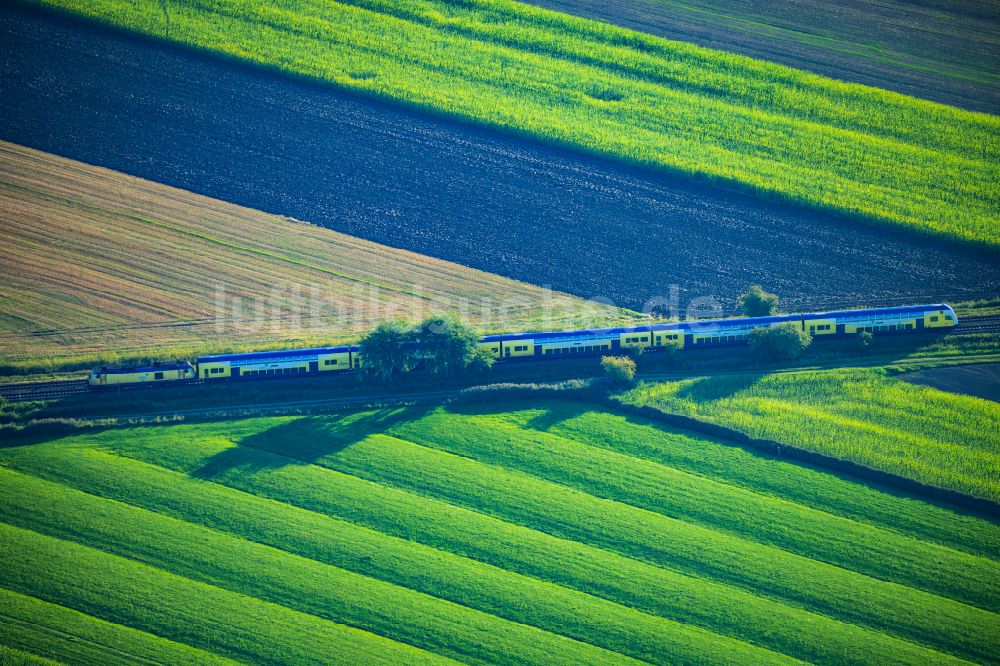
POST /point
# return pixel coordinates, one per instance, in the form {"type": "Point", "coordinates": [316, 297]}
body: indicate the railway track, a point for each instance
{"type": "Point", "coordinates": [978, 324]}
{"type": "Point", "coordinates": [28, 391]}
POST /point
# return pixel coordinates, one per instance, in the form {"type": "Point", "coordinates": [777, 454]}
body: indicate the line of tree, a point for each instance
{"type": "Point", "coordinates": [440, 345]}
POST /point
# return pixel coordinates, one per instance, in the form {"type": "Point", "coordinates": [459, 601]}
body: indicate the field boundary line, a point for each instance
{"type": "Point", "coordinates": [776, 449]}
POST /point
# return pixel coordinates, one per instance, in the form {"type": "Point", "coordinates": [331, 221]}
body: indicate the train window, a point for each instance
{"type": "Point", "coordinates": [935, 318]}
{"type": "Point", "coordinates": [157, 375]}
{"type": "Point", "coordinates": [330, 361]}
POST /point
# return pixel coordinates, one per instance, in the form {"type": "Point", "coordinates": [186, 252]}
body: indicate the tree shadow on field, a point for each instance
{"type": "Point", "coordinates": [556, 414]}
{"type": "Point", "coordinates": [710, 389]}
{"type": "Point", "coordinates": [553, 411]}
{"type": "Point", "coordinates": [305, 441]}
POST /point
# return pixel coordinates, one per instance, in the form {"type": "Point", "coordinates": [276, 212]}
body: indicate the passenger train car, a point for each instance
{"type": "Point", "coordinates": [515, 346]}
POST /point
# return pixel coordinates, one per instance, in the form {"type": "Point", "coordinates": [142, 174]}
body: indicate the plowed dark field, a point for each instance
{"type": "Point", "coordinates": [501, 204]}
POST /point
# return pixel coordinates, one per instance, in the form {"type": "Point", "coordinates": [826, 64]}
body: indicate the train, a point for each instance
{"type": "Point", "coordinates": [551, 344]}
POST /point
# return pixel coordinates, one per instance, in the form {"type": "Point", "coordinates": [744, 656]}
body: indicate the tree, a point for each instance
{"type": "Point", "coordinates": [386, 350]}
{"type": "Point", "coordinates": [784, 341]}
{"type": "Point", "coordinates": [445, 346]}
{"type": "Point", "coordinates": [619, 369]}
{"type": "Point", "coordinates": [482, 360]}
{"type": "Point", "coordinates": [757, 302]}
{"type": "Point", "coordinates": [441, 345]}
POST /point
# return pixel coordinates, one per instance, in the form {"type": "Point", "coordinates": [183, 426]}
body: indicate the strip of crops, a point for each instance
{"type": "Point", "coordinates": [864, 415]}
{"type": "Point", "coordinates": [715, 116]}
{"type": "Point", "coordinates": [319, 589]}
{"type": "Point", "coordinates": [720, 608]}
{"type": "Point", "coordinates": [735, 466]}
{"type": "Point", "coordinates": [125, 592]}
{"type": "Point", "coordinates": [71, 514]}
{"type": "Point", "coordinates": [14, 657]}
{"type": "Point", "coordinates": [815, 534]}
{"type": "Point", "coordinates": [658, 539]}
{"type": "Point", "coordinates": [53, 631]}
{"type": "Point", "coordinates": [578, 516]}
{"type": "Point", "coordinates": [940, 52]}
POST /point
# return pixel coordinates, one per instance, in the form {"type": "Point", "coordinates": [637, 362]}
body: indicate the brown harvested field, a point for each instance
{"type": "Point", "coordinates": [95, 264]}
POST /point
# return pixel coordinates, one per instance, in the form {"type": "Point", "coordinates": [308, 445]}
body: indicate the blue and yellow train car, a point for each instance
{"type": "Point", "coordinates": [491, 343]}
{"type": "Point", "coordinates": [880, 320]}
{"type": "Point", "coordinates": [158, 372]}
{"type": "Point", "coordinates": [718, 332]}
{"type": "Point", "coordinates": [274, 363]}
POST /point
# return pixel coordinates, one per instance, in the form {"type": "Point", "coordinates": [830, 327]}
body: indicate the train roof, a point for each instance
{"type": "Point", "coordinates": [707, 323]}
{"type": "Point", "coordinates": [157, 367]}
{"type": "Point", "coordinates": [880, 311]}
{"type": "Point", "coordinates": [277, 353]}
{"type": "Point", "coordinates": [567, 334]}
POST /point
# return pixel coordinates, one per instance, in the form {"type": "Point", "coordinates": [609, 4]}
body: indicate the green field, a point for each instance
{"type": "Point", "coordinates": [714, 116]}
{"type": "Point", "coordinates": [97, 266]}
{"type": "Point", "coordinates": [946, 52]}
{"type": "Point", "coordinates": [510, 533]}
{"type": "Point", "coordinates": [864, 415]}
